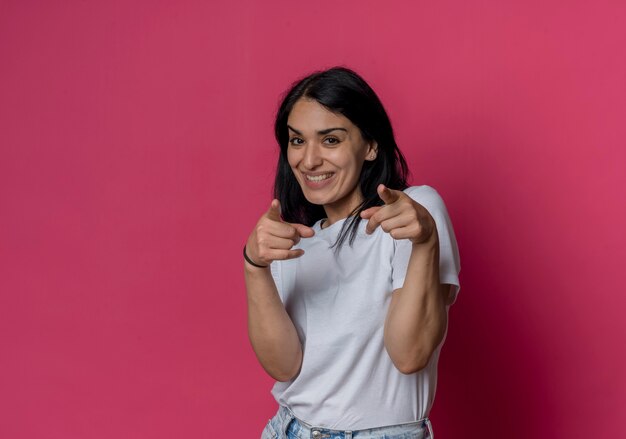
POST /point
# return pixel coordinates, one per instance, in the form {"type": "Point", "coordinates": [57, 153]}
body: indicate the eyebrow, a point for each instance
{"type": "Point", "coordinates": [326, 131]}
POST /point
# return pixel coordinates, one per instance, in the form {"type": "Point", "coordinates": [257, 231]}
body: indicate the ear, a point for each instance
{"type": "Point", "coordinates": [372, 151]}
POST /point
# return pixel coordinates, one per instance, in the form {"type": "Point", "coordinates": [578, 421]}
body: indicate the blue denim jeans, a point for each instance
{"type": "Point", "coordinates": [285, 425]}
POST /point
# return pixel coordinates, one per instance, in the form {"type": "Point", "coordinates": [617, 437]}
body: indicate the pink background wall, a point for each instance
{"type": "Point", "coordinates": [136, 154]}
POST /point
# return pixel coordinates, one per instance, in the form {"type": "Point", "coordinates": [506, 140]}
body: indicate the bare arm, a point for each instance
{"type": "Point", "coordinates": [417, 316]}
{"type": "Point", "coordinates": [270, 329]}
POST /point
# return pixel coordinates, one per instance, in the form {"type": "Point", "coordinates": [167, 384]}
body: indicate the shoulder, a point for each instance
{"type": "Point", "coordinates": [429, 198]}
{"type": "Point", "coordinates": [420, 190]}
{"type": "Point", "coordinates": [424, 194]}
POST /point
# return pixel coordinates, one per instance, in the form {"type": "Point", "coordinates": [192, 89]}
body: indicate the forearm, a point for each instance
{"type": "Point", "coordinates": [417, 316]}
{"type": "Point", "coordinates": [272, 334]}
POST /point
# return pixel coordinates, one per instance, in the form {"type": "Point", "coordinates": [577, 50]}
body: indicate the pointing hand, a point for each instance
{"type": "Point", "coordinates": [272, 238]}
{"type": "Point", "coordinates": [401, 217]}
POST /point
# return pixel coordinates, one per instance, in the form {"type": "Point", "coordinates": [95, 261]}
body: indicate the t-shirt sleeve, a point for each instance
{"type": "Point", "coordinates": [276, 270]}
{"type": "Point", "coordinates": [449, 261]}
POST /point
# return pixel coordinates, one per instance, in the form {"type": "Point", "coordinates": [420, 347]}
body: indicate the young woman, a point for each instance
{"type": "Point", "coordinates": [349, 273]}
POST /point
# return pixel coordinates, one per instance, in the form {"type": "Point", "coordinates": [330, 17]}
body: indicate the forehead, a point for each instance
{"type": "Point", "coordinates": [308, 114]}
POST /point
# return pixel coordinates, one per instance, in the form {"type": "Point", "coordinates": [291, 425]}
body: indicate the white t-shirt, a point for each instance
{"type": "Point", "coordinates": [338, 303]}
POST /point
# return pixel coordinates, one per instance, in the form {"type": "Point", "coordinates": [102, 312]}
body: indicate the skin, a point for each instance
{"type": "Point", "coordinates": [417, 317]}
{"type": "Point", "coordinates": [314, 150]}
{"type": "Point", "coordinates": [323, 142]}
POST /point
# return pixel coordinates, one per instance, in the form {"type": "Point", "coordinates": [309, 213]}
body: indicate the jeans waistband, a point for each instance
{"type": "Point", "coordinates": [307, 430]}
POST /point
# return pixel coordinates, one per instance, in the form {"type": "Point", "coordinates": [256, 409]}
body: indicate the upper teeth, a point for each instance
{"type": "Point", "coordinates": [318, 177]}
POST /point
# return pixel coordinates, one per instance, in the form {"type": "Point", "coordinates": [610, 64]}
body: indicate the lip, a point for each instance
{"type": "Point", "coordinates": [318, 184]}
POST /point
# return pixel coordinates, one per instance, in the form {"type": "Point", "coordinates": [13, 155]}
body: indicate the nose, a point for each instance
{"type": "Point", "coordinates": [312, 156]}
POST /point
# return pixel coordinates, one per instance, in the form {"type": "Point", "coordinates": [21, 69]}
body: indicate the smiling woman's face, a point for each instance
{"type": "Point", "coordinates": [326, 153]}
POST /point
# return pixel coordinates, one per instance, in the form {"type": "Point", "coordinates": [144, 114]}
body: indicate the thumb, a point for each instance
{"type": "Point", "coordinates": [273, 212]}
{"type": "Point", "coordinates": [387, 195]}
{"type": "Point", "coordinates": [303, 231]}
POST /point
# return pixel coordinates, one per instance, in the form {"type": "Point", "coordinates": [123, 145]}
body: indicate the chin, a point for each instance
{"type": "Point", "coordinates": [315, 200]}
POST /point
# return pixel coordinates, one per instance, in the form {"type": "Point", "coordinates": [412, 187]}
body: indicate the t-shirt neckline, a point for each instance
{"type": "Point", "coordinates": [334, 226]}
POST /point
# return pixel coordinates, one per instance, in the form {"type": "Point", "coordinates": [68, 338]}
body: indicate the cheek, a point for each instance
{"type": "Point", "coordinates": [291, 158]}
{"type": "Point", "coordinates": [341, 159]}
{"type": "Point", "coordinates": [350, 163]}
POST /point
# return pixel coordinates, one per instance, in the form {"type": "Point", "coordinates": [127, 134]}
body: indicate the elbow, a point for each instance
{"type": "Point", "coordinates": [288, 374]}
{"type": "Point", "coordinates": [418, 356]}
{"type": "Point", "coordinates": [412, 366]}
{"type": "Point", "coordinates": [413, 360]}
{"type": "Point", "coordinates": [408, 362]}
{"type": "Point", "coordinates": [284, 376]}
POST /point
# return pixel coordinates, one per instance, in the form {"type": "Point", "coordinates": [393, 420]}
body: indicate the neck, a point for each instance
{"type": "Point", "coordinates": [342, 208]}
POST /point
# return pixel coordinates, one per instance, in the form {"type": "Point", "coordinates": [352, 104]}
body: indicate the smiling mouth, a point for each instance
{"type": "Point", "coordinates": [318, 177]}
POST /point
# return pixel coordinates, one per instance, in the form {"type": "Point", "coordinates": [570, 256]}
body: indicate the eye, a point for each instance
{"type": "Point", "coordinates": [331, 140]}
{"type": "Point", "coordinates": [296, 141]}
